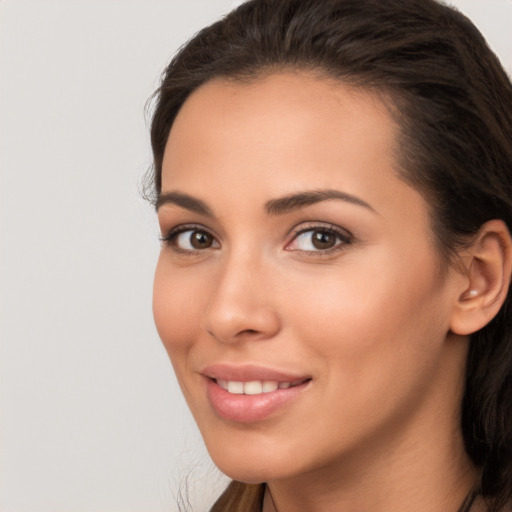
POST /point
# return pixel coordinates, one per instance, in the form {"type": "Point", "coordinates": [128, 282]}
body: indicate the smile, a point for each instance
{"type": "Point", "coordinates": [255, 387]}
{"type": "Point", "coordinates": [248, 401]}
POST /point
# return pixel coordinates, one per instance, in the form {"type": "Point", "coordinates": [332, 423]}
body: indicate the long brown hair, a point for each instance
{"type": "Point", "coordinates": [453, 102]}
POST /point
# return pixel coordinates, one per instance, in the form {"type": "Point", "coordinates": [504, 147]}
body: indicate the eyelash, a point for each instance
{"type": "Point", "coordinates": [171, 237]}
{"type": "Point", "coordinates": [343, 237]}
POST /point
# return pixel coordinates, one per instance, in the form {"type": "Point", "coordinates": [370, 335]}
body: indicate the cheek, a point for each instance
{"type": "Point", "coordinates": [374, 343]}
{"type": "Point", "coordinates": [364, 317]}
{"type": "Point", "coordinates": [177, 308]}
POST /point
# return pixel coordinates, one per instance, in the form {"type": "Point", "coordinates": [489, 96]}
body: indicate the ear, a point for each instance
{"type": "Point", "coordinates": [488, 269]}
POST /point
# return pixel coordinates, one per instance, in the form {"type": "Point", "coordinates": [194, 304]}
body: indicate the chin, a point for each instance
{"type": "Point", "coordinates": [254, 465]}
{"type": "Point", "coordinates": [250, 464]}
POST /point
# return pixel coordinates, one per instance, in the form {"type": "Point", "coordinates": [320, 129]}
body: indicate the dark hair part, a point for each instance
{"type": "Point", "coordinates": [453, 103]}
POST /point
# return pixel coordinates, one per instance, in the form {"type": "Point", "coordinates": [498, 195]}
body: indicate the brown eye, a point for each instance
{"type": "Point", "coordinates": [323, 239]}
{"type": "Point", "coordinates": [320, 240]}
{"type": "Point", "coordinates": [201, 240]}
{"type": "Point", "coordinates": [193, 240]}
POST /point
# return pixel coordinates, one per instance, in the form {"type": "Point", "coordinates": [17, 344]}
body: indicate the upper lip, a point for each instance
{"type": "Point", "coordinates": [249, 372]}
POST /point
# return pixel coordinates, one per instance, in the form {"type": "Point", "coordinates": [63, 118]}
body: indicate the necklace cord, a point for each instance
{"type": "Point", "coordinates": [465, 506]}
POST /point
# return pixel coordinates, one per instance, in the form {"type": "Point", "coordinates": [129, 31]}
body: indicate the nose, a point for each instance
{"type": "Point", "coordinates": [241, 305]}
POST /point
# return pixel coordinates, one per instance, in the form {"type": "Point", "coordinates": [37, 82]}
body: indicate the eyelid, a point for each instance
{"type": "Point", "coordinates": [346, 238]}
{"type": "Point", "coordinates": [170, 235]}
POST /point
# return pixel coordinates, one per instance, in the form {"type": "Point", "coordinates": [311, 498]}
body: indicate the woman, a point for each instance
{"type": "Point", "coordinates": [333, 183]}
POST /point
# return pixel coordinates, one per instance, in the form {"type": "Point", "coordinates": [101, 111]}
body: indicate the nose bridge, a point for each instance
{"type": "Point", "coordinates": [241, 305]}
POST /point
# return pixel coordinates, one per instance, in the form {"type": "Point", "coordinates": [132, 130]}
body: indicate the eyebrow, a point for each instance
{"type": "Point", "coordinates": [278, 206]}
{"type": "Point", "coordinates": [293, 202]}
{"type": "Point", "coordinates": [185, 201]}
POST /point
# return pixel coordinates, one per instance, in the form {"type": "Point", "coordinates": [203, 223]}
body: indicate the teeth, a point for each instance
{"type": "Point", "coordinates": [236, 387]}
{"type": "Point", "coordinates": [223, 383]}
{"type": "Point", "coordinates": [269, 386]}
{"type": "Point", "coordinates": [255, 387]}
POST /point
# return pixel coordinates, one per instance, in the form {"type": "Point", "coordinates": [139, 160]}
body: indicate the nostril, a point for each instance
{"type": "Point", "coordinates": [231, 321]}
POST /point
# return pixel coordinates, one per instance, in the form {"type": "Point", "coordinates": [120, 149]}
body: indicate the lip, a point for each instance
{"type": "Point", "coordinates": [250, 408]}
{"type": "Point", "coordinates": [249, 372]}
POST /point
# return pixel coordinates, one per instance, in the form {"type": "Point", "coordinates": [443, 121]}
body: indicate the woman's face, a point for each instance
{"type": "Point", "coordinates": [298, 271]}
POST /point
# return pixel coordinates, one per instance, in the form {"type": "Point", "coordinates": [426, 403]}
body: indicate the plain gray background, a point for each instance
{"type": "Point", "coordinates": [91, 418]}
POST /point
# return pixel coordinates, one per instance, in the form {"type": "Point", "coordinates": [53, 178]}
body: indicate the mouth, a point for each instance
{"type": "Point", "coordinates": [249, 394]}
{"type": "Point", "coordinates": [256, 387]}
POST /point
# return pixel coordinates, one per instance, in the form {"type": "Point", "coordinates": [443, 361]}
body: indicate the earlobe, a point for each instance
{"type": "Point", "coordinates": [488, 269]}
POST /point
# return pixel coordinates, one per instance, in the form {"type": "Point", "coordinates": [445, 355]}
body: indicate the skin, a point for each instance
{"type": "Point", "coordinates": [368, 320]}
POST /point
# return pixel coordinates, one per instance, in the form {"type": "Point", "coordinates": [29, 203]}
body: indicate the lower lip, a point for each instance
{"type": "Point", "coordinates": [250, 408]}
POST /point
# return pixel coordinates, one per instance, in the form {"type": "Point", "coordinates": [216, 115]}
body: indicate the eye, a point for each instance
{"type": "Point", "coordinates": [319, 239]}
{"type": "Point", "coordinates": [190, 239]}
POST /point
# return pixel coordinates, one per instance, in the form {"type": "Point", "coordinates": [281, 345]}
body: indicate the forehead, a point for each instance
{"type": "Point", "coordinates": [285, 121]}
